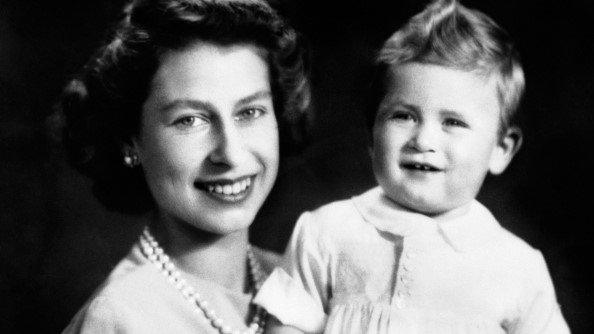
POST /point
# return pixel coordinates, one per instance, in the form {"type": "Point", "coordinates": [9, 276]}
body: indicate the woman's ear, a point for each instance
{"type": "Point", "coordinates": [508, 146]}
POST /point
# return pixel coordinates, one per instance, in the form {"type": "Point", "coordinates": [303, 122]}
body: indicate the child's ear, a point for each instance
{"type": "Point", "coordinates": [508, 146]}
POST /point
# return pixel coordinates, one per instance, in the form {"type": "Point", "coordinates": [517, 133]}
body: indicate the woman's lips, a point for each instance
{"type": "Point", "coordinates": [227, 190]}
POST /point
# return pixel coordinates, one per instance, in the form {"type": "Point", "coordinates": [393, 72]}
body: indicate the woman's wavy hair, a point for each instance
{"type": "Point", "coordinates": [448, 34]}
{"type": "Point", "coordinates": [100, 109]}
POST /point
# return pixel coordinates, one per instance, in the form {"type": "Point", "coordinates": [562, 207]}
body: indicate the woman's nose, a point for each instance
{"type": "Point", "coordinates": [228, 146]}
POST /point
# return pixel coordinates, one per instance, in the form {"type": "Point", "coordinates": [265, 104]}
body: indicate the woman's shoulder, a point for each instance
{"type": "Point", "coordinates": [130, 277]}
{"type": "Point", "coordinates": [121, 298]}
{"type": "Point", "coordinates": [101, 314]}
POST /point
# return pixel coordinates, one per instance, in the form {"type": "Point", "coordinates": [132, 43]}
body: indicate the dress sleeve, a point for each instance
{"type": "Point", "coordinates": [539, 310]}
{"type": "Point", "coordinates": [297, 292]}
{"type": "Point", "coordinates": [98, 316]}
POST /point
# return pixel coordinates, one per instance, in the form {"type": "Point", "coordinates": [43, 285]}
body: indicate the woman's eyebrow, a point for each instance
{"type": "Point", "coordinates": [187, 103]}
{"type": "Point", "coordinates": [265, 93]}
{"type": "Point", "coordinates": [451, 113]}
{"type": "Point", "coordinates": [203, 105]}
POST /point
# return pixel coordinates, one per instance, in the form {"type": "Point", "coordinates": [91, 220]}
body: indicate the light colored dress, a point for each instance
{"type": "Point", "coordinates": [137, 298]}
{"type": "Point", "coordinates": [365, 265]}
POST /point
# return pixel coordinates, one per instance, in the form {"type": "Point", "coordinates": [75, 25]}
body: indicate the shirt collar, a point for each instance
{"type": "Point", "coordinates": [463, 233]}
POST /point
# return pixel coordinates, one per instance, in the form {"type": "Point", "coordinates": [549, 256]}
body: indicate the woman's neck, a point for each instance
{"type": "Point", "coordinates": [214, 257]}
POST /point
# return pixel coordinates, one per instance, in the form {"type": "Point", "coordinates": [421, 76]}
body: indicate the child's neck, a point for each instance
{"type": "Point", "coordinates": [442, 215]}
{"type": "Point", "coordinates": [453, 213]}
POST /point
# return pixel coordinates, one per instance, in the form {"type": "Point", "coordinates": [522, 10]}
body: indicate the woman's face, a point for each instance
{"type": "Point", "coordinates": [209, 137]}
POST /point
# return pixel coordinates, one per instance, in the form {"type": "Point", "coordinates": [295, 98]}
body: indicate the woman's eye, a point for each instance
{"type": "Point", "coordinates": [188, 121]}
{"type": "Point", "coordinates": [250, 113]}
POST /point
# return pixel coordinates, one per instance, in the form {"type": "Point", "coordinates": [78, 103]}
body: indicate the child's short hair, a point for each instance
{"type": "Point", "coordinates": [448, 34]}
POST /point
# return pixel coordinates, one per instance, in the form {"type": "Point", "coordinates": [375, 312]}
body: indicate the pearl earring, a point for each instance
{"type": "Point", "coordinates": [130, 160]}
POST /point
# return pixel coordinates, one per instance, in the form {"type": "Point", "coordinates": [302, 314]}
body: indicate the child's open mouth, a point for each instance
{"type": "Point", "coordinates": [420, 167]}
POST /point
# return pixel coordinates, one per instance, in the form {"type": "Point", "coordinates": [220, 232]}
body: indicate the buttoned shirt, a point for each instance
{"type": "Point", "coordinates": [366, 265]}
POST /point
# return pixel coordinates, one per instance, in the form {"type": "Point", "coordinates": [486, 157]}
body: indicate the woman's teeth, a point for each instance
{"type": "Point", "coordinates": [229, 188]}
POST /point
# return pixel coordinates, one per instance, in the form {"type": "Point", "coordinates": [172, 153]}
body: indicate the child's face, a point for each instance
{"type": "Point", "coordinates": [436, 137]}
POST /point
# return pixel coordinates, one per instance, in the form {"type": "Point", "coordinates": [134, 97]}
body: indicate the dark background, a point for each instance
{"type": "Point", "coordinates": [57, 243]}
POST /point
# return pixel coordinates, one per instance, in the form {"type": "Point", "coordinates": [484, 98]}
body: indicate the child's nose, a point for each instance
{"type": "Point", "coordinates": [424, 138]}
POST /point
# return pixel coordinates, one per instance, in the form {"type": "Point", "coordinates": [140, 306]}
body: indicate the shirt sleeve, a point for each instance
{"type": "Point", "coordinates": [297, 292]}
{"type": "Point", "coordinates": [539, 310]}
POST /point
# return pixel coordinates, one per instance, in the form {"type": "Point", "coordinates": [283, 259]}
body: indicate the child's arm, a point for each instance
{"type": "Point", "coordinates": [276, 327]}
{"type": "Point", "coordinates": [296, 292]}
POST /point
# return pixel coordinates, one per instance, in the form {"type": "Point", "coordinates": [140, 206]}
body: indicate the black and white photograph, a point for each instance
{"type": "Point", "coordinates": [296, 166]}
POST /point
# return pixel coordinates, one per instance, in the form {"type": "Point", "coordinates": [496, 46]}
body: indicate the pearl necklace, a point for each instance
{"type": "Point", "coordinates": [155, 254]}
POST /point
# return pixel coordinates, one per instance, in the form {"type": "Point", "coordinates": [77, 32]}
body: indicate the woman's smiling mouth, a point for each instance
{"type": "Point", "coordinates": [227, 190]}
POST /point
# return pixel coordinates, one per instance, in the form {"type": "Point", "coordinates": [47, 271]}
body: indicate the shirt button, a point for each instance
{"type": "Point", "coordinates": [400, 302]}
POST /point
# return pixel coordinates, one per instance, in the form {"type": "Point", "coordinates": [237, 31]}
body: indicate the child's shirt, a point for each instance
{"type": "Point", "coordinates": [365, 265]}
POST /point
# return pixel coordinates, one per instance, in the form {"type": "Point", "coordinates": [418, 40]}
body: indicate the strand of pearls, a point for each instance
{"type": "Point", "coordinates": [155, 254]}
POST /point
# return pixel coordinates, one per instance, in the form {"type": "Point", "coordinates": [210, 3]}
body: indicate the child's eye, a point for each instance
{"type": "Point", "coordinates": [455, 122]}
{"type": "Point", "coordinates": [249, 113]}
{"type": "Point", "coordinates": [402, 116]}
{"type": "Point", "coordinates": [189, 121]}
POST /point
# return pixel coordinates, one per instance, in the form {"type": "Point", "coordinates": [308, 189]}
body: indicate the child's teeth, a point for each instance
{"type": "Point", "coordinates": [227, 189]}
{"type": "Point", "coordinates": [421, 167]}
{"type": "Point", "coordinates": [237, 187]}
{"type": "Point", "coordinates": [219, 188]}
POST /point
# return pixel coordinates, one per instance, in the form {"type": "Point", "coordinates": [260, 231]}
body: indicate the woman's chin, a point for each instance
{"type": "Point", "coordinates": [224, 223]}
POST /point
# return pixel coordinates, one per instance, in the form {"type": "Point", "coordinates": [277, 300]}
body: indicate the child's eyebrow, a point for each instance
{"type": "Point", "coordinates": [397, 102]}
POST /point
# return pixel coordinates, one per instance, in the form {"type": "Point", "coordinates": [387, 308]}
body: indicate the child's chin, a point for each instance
{"type": "Point", "coordinates": [426, 206]}
{"type": "Point", "coordinates": [428, 210]}
{"type": "Point", "coordinates": [436, 211]}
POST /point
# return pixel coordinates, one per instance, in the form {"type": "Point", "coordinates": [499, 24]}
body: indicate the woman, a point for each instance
{"type": "Point", "coordinates": [179, 114]}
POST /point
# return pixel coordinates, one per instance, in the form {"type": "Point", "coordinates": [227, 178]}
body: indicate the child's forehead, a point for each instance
{"type": "Point", "coordinates": [478, 75]}
{"type": "Point", "coordinates": [429, 77]}
{"type": "Point", "coordinates": [436, 85]}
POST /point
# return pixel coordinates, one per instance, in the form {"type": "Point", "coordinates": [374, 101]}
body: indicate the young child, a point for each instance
{"type": "Point", "coordinates": [419, 254]}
